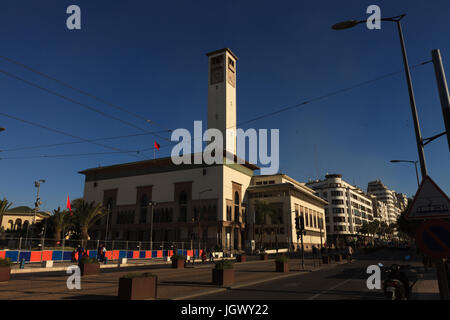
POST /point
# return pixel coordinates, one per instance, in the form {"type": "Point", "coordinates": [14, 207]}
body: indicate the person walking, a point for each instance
{"type": "Point", "coordinates": [349, 253]}
{"type": "Point", "coordinates": [80, 252]}
{"type": "Point", "coordinates": [104, 254]}
{"type": "Point", "coordinates": [99, 253]}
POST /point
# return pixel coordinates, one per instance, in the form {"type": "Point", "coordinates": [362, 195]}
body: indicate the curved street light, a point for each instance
{"type": "Point", "coordinates": [409, 161]}
{"type": "Point", "coordinates": [352, 23]}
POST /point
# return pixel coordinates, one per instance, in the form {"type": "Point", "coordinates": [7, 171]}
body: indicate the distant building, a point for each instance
{"type": "Point", "coordinates": [19, 218]}
{"type": "Point", "coordinates": [395, 202]}
{"type": "Point", "coordinates": [348, 207]}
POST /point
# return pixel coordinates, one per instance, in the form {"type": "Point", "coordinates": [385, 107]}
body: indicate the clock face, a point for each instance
{"type": "Point", "coordinates": [216, 75]}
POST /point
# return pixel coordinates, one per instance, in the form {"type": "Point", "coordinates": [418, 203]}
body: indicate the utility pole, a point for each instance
{"type": "Point", "coordinates": [152, 205]}
{"type": "Point", "coordinates": [38, 202]}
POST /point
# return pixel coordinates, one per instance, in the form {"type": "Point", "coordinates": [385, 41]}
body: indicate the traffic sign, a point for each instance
{"type": "Point", "coordinates": [433, 238]}
{"type": "Point", "coordinates": [430, 202]}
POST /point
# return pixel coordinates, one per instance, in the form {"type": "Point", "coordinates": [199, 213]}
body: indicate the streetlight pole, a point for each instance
{"type": "Point", "coordinates": [198, 217]}
{"type": "Point", "coordinates": [440, 268]}
{"type": "Point", "coordinates": [419, 141]}
{"type": "Point", "coordinates": [409, 161]}
{"type": "Point", "coordinates": [37, 184]}
{"type": "Point", "coordinates": [107, 223]}
{"type": "Point", "coordinates": [152, 205]}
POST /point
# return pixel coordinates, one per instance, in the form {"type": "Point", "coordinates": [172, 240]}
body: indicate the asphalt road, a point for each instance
{"type": "Point", "coordinates": [343, 282]}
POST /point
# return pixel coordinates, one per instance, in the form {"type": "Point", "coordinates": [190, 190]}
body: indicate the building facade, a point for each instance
{"type": "Point", "coordinates": [290, 199]}
{"type": "Point", "coordinates": [160, 201]}
{"type": "Point", "coordinates": [347, 210]}
{"type": "Point", "coordinates": [395, 202]}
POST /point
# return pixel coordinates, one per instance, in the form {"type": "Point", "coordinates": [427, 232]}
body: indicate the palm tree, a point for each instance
{"type": "Point", "coordinates": [86, 214]}
{"type": "Point", "coordinates": [263, 209]}
{"type": "Point", "coordinates": [4, 205]}
{"type": "Point", "coordinates": [61, 220]}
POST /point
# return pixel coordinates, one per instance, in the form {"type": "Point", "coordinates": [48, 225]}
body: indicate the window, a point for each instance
{"type": "Point", "coordinates": [236, 206]}
{"type": "Point", "coordinates": [338, 210]}
{"type": "Point", "coordinates": [182, 202]}
{"type": "Point", "coordinates": [337, 202]}
{"type": "Point", "coordinates": [337, 193]}
{"type": "Point", "coordinates": [143, 209]}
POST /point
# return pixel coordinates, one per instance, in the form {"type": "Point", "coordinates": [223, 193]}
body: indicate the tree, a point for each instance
{"type": "Point", "coordinates": [4, 206]}
{"type": "Point", "coordinates": [86, 214]}
{"type": "Point", "coordinates": [263, 209]}
{"type": "Point", "coordinates": [61, 221]}
{"type": "Point", "coordinates": [406, 227]}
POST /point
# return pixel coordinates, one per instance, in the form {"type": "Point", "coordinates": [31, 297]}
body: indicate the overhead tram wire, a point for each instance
{"type": "Point", "coordinates": [77, 103]}
{"type": "Point", "coordinates": [304, 102]}
{"type": "Point", "coordinates": [107, 103]}
{"type": "Point", "coordinates": [334, 93]}
{"type": "Point", "coordinates": [78, 142]}
{"type": "Point", "coordinates": [65, 133]}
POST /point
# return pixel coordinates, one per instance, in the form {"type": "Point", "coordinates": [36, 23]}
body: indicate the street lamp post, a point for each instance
{"type": "Point", "coordinates": [107, 223]}
{"type": "Point", "coordinates": [419, 141]}
{"type": "Point", "coordinates": [198, 217]}
{"type": "Point", "coordinates": [440, 268]}
{"type": "Point", "coordinates": [152, 205]}
{"type": "Point", "coordinates": [409, 161]}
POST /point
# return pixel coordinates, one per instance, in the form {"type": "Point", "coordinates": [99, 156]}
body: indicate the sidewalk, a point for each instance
{"type": "Point", "coordinates": [177, 284]}
{"type": "Point", "coordinates": [426, 288]}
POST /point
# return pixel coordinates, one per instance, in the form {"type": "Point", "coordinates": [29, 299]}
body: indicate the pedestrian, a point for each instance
{"type": "Point", "coordinates": [80, 252]}
{"type": "Point", "coordinates": [99, 253]}
{"type": "Point", "coordinates": [211, 256]}
{"type": "Point", "coordinates": [349, 253]}
{"type": "Point", "coordinates": [104, 254]}
{"type": "Point", "coordinates": [314, 251]}
{"type": "Point", "coordinates": [203, 256]}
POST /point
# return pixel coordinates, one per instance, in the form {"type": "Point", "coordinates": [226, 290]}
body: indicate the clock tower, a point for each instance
{"type": "Point", "coordinates": [222, 92]}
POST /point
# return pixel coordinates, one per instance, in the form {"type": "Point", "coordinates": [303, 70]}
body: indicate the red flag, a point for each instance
{"type": "Point", "coordinates": [157, 145]}
{"type": "Point", "coordinates": [68, 204]}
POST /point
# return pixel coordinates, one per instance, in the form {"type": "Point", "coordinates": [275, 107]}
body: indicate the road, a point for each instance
{"type": "Point", "coordinates": [343, 282]}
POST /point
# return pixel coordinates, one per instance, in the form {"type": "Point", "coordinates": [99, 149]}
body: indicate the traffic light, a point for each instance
{"type": "Point", "coordinates": [297, 223]}
{"type": "Point", "coordinates": [302, 223]}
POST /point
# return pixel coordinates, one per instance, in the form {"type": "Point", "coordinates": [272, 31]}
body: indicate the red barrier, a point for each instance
{"type": "Point", "coordinates": [35, 256]}
{"type": "Point", "coordinates": [47, 255]}
{"type": "Point", "coordinates": [2, 254]}
{"type": "Point", "coordinates": [159, 254]}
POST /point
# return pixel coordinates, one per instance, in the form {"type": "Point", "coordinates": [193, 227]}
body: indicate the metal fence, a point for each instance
{"type": "Point", "coordinates": [37, 244]}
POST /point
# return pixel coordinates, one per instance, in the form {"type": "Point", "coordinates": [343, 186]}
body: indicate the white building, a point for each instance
{"type": "Point", "coordinates": [348, 207]}
{"type": "Point", "coordinates": [389, 197]}
{"type": "Point", "coordinates": [291, 199]}
{"type": "Point", "coordinates": [198, 201]}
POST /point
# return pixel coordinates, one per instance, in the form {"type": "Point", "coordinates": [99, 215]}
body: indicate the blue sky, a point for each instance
{"type": "Point", "coordinates": [149, 57]}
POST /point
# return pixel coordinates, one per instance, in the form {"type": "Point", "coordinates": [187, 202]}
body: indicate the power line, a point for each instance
{"type": "Point", "coordinates": [69, 155]}
{"type": "Point", "coordinates": [75, 89]}
{"type": "Point", "coordinates": [62, 132]}
{"type": "Point", "coordinates": [273, 113]}
{"type": "Point", "coordinates": [78, 142]}
{"type": "Point", "coordinates": [86, 106]}
{"type": "Point", "coordinates": [256, 118]}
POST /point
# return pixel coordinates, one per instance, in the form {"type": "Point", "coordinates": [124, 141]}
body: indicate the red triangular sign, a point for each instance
{"type": "Point", "coordinates": [430, 202]}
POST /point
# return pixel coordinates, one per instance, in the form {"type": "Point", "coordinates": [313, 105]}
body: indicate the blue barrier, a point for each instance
{"type": "Point", "coordinates": [57, 255]}
{"type": "Point", "coordinates": [13, 255]}
{"type": "Point", "coordinates": [25, 255]}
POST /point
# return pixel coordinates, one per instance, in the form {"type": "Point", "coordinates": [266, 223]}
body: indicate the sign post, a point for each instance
{"type": "Point", "coordinates": [431, 205]}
